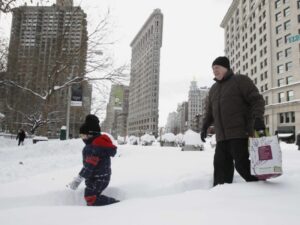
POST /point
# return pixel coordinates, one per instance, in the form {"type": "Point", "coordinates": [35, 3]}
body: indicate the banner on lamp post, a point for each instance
{"type": "Point", "coordinates": [76, 95]}
{"type": "Point", "coordinates": [118, 97]}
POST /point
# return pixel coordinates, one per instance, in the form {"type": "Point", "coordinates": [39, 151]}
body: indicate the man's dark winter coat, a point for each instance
{"type": "Point", "coordinates": [97, 168]}
{"type": "Point", "coordinates": [233, 104]}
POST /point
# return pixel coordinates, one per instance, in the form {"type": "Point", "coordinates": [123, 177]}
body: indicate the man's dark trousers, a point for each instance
{"type": "Point", "coordinates": [229, 154]}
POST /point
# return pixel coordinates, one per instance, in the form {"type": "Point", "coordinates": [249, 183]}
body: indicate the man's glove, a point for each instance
{"type": "Point", "coordinates": [259, 126]}
{"type": "Point", "coordinates": [75, 183]}
{"type": "Point", "coordinates": [203, 135]}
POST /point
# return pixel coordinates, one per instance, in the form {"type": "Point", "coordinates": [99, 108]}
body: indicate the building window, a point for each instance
{"type": "Point", "coordinates": [286, 11]}
{"type": "Point", "coordinates": [279, 55]}
{"type": "Point", "coordinates": [287, 25]}
{"type": "Point", "coordinates": [280, 69]}
{"type": "Point", "coordinates": [278, 16]}
{"type": "Point", "coordinates": [279, 42]}
{"type": "Point", "coordinates": [287, 117]}
{"type": "Point", "coordinates": [298, 18]}
{"type": "Point", "coordinates": [288, 66]}
{"type": "Point", "coordinates": [298, 4]}
{"type": "Point", "coordinates": [290, 95]}
{"type": "Point", "coordinates": [280, 82]}
{"type": "Point", "coordinates": [288, 52]}
{"type": "Point", "coordinates": [266, 119]}
{"type": "Point", "coordinates": [293, 117]}
{"type": "Point", "coordinates": [277, 4]}
{"type": "Point", "coordinates": [281, 117]}
{"type": "Point", "coordinates": [278, 29]}
{"type": "Point", "coordinates": [266, 100]}
{"type": "Point", "coordinates": [289, 79]}
{"type": "Point", "coordinates": [280, 97]}
{"type": "Point", "coordinates": [286, 38]}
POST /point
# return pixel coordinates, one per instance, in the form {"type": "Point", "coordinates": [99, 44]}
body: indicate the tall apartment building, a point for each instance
{"type": "Point", "coordinates": [48, 46]}
{"type": "Point", "coordinates": [172, 125]}
{"type": "Point", "coordinates": [115, 121]}
{"type": "Point", "coordinates": [196, 102]}
{"type": "Point", "coordinates": [262, 42]}
{"type": "Point", "coordinates": [183, 110]}
{"type": "Point", "coordinates": [144, 77]}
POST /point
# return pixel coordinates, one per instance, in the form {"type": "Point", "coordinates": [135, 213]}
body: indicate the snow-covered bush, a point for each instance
{"type": "Point", "coordinates": [133, 140]}
{"type": "Point", "coordinates": [168, 139]}
{"type": "Point", "coordinates": [121, 140]}
{"type": "Point", "coordinates": [192, 141]}
{"type": "Point", "coordinates": [179, 139]}
{"type": "Point", "coordinates": [147, 139]}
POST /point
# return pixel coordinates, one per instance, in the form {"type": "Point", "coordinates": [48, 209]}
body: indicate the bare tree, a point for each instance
{"type": "Point", "coordinates": [34, 119]}
{"type": "Point", "coordinates": [6, 6]}
{"type": "Point", "coordinates": [66, 70]}
{"type": "Point", "coordinates": [3, 54]}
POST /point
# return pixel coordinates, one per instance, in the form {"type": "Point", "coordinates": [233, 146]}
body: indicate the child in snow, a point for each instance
{"type": "Point", "coordinates": [96, 163]}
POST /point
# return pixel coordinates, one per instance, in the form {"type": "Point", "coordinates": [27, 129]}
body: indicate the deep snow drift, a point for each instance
{"type": "Point", "coordinates": [156, 185]}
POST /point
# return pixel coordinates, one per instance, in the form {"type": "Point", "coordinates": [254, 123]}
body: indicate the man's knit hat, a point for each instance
{"type": "Point", "coordinates": [91, 125]}
{"type": "Point", "coordinates": [222, 61]}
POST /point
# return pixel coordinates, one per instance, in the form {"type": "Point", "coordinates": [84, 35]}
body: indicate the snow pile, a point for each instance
{"type": "Point", "coordinates": [155, 186]}
{"type": "Point", "coordinates": [133, 140]}
{"type": "Point", "coordinates": [168, 137]}
{"type": "Point", "coordinates": [192, 138]}
{"type": "Point", "coordinates": [121, 140]}
{"type": "Point", "coordinates": [147, 139]}
{"type": "Point", "coordinates": [179, 139]}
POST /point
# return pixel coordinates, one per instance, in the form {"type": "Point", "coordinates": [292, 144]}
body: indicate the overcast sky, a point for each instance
{"type": "Point", "coordinates": [192, 39]}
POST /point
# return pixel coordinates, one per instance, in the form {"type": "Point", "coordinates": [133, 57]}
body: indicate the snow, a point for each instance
{"type": "Point", "coordinates": [147, 138]}
{"type": "Point", "coordinates": [192, 138]}
{"type": "Point", "coordinates": [283, 135]}
{"type": "Point", "coordinates": [161, 186]}
{"type": "Point", "coordinates": [40, 138]}
{"type": "Point", "coordinates": [168, 137]}
{"type": "Point", "coordinates": [179, 138]}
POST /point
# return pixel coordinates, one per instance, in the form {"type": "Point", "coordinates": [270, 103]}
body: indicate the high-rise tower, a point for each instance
{"type": "Point", "coordinates": [262, 41]}
{"type": "Point", "coordinates": [48, 45]}
{"type": "Point", "coordinates": [144, 77]}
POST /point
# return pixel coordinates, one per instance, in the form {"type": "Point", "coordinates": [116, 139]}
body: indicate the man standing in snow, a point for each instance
{"type": "Point", "coordinates": [96, 163]}
{"type": "Point", "coordinates": [234, 107]}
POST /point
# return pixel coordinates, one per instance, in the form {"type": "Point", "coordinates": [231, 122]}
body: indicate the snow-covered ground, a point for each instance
{"type": "Point", "coordinates": [156, 186]}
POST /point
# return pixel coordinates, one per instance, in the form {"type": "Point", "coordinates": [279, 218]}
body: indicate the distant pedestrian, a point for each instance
{"type": "Point", "coordinates": [298, 140]}
{"type": "Point", "coordinates": [21, 137]}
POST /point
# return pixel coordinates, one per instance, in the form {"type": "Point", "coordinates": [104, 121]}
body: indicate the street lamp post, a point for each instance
{"type": "Point", "coordinates": [68, 112]}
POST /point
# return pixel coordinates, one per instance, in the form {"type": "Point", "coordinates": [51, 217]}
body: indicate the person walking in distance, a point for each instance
{"type": "Point", "coordinates": [236, 109]}
{"type": "Point", "coordinates": [21, 137]}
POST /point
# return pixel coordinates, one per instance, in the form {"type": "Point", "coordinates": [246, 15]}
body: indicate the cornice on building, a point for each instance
{"type": "Point", "coordinates": [154, 13]}
{"type": "Point", "coordinates": [229, 13]}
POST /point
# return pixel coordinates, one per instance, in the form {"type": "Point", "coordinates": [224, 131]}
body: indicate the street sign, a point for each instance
{"type": "Point", "coordinates": [294, 38]}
